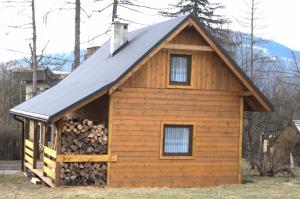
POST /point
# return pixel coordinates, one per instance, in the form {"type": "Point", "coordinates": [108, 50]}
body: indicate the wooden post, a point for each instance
{"type": "Point", "coordinates": [59, 127]}
{"type": "Point", "coordinates": [26, 135]}
{"type": "Point", "coordinates": [46, 134]}
{"type": "Point", "coordinates": [35, 145]}
{"type": "Point", "coordinates": [110, 111]}
{"type": "Point", "coordinates": [45, 141]}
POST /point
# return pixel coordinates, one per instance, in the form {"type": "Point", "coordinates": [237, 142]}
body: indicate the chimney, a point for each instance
{"type": "Point", "coordinates": [119, 36]}
{"type": "Point", "coordinates": [90, 51]}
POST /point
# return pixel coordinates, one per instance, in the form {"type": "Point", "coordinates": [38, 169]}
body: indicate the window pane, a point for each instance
{"type": "Point", "coordinates": [176, 139]}
{"type": "Point", "coordinates": [179, 69]}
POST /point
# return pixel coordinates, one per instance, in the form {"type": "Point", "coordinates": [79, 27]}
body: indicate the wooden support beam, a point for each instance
{"type": "Point", "coordinates": [188, 47]}
{"type": "Point", "coordinates": [46, 134]}
{"type": "Point", "coordinates": [86, 158]}
{"type": "Point", "coordinates": [59, 127]}
{"type": "Point", "coordinates": [35, 145]}
{"type": "Point", "coordinates": [26, 136]}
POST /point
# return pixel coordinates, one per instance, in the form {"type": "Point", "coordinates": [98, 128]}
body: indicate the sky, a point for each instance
{"type": "Point", "coordinates": [55, 27]}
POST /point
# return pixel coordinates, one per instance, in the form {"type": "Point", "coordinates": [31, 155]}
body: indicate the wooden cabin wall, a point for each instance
{"type": "Point", "coordinates": [136, 130]}
{"type": "Point", "coordinates": [208, 70]}
{"type": "Point", "coordinates": [144, 102]}
{"type": "Point", "coordinates": [97, 110]}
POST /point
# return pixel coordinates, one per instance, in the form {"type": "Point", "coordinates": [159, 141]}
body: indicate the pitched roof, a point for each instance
{"type": "Point", "coordinates": [100, 71]}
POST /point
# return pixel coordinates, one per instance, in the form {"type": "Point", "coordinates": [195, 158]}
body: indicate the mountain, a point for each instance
{"type": "Point", "coordinates": [279, 52]}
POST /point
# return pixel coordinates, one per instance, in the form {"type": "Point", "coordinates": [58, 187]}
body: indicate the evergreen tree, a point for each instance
{"type": "Point", "coordinates": [206, 14]}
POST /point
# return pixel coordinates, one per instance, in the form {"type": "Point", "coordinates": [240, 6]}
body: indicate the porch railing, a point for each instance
{"type": "Point", "coordinates": [28, 150]}
{"type": "Point", "coordinates": [49, 162]}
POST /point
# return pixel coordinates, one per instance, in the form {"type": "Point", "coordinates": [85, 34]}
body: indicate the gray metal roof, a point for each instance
{"type": "Point", "coordinates": [96, 73]}
{"type": "Point", "coordinates": [100, 71]}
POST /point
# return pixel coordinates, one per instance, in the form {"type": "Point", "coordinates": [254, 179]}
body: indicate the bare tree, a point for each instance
{"type": "Point", "coordinates": [33, 50]}
{"type": "Point", "coordinates": [77, 34]}
{"type": "Point", "coordinates": [114, 12]}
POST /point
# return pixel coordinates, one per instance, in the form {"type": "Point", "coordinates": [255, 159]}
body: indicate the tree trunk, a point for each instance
{"type": "Point", "coordinates": [252, 39]}
{"type": "Point", "coordinates": [33, 52]}
{"type": "Point", "coordinates": [77, 35]}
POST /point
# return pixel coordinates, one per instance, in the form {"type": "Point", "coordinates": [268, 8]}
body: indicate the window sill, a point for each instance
{"type": "Point", "coordinates": [177, 157]}
{"type": "Point", "coordinates": [179, 86]}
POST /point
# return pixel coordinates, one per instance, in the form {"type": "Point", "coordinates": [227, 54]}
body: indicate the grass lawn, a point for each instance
{"type": "Point", "coordinates": [17, 186]}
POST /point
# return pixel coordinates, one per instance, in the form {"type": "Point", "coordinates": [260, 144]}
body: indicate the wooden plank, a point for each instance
{"type": "Point", "coordinates": [28, 144]}
{"type": "Point", "coordinates": [86, 158]}
{"type": "Point", "coordinates": [188, 47]}
{"type": "Point", "coordinates": [49, 172]}
{"type": "Point", "coordinates": [39, 173]}
{"type": "Point", "coordinates": [28, 152]}
{"type": "Point", "coordinates": [49, 162]}
{"type": "Point", "coordinates": [28, 159]}
{"type": "Point", "coordinates": [178, 91]}
{"type": "Point", "coordinates": [50, 152]}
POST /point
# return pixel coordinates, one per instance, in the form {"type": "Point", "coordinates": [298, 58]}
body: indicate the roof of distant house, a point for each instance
{"type": "Point", "coordinates": [297, 124]}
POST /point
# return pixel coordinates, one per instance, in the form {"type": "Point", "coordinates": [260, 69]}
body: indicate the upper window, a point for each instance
{"type": "Point", "coordinates": [177, 140]}
{"type": "Point", "coordinates": [180, 70]}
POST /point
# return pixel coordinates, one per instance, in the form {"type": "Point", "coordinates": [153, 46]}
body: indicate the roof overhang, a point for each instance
{"type": "Point", "coordinates": [30, 115]}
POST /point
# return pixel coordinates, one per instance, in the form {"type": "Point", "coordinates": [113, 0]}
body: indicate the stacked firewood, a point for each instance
{"type": "Point", "coordinates": [84, 173]}
{"type": "Point", "coordinates": [83, 137]}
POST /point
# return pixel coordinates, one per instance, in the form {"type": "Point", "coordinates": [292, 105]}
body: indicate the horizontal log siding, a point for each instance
{"type": "Point", "coordinates": [136, 125]}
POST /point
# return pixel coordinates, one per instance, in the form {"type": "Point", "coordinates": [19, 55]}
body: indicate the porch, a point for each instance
{"type": "Point", "coordinates": [45, 151]}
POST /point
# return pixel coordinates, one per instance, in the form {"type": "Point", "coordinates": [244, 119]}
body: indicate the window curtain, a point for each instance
{"type": "Point", "coordinates": [176, 140]}
{"type": "Point", "coordinates": [179, 69]}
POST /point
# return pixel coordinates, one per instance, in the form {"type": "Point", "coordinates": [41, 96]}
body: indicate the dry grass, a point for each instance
{"type": "Point", "coordinates": [17, 186]}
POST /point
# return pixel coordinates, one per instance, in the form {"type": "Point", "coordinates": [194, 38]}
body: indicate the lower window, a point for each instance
{"type": "Point", "coordinates": [177, 140]}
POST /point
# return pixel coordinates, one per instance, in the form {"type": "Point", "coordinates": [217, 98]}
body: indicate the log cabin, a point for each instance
{"type": "Point", "coordinates": [169, 98]}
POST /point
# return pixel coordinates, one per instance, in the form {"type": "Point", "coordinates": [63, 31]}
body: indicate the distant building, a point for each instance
{"type": "Point", "coordinates": [288, 142]}
{"type": "Point", "coordinates": [45, 79]}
